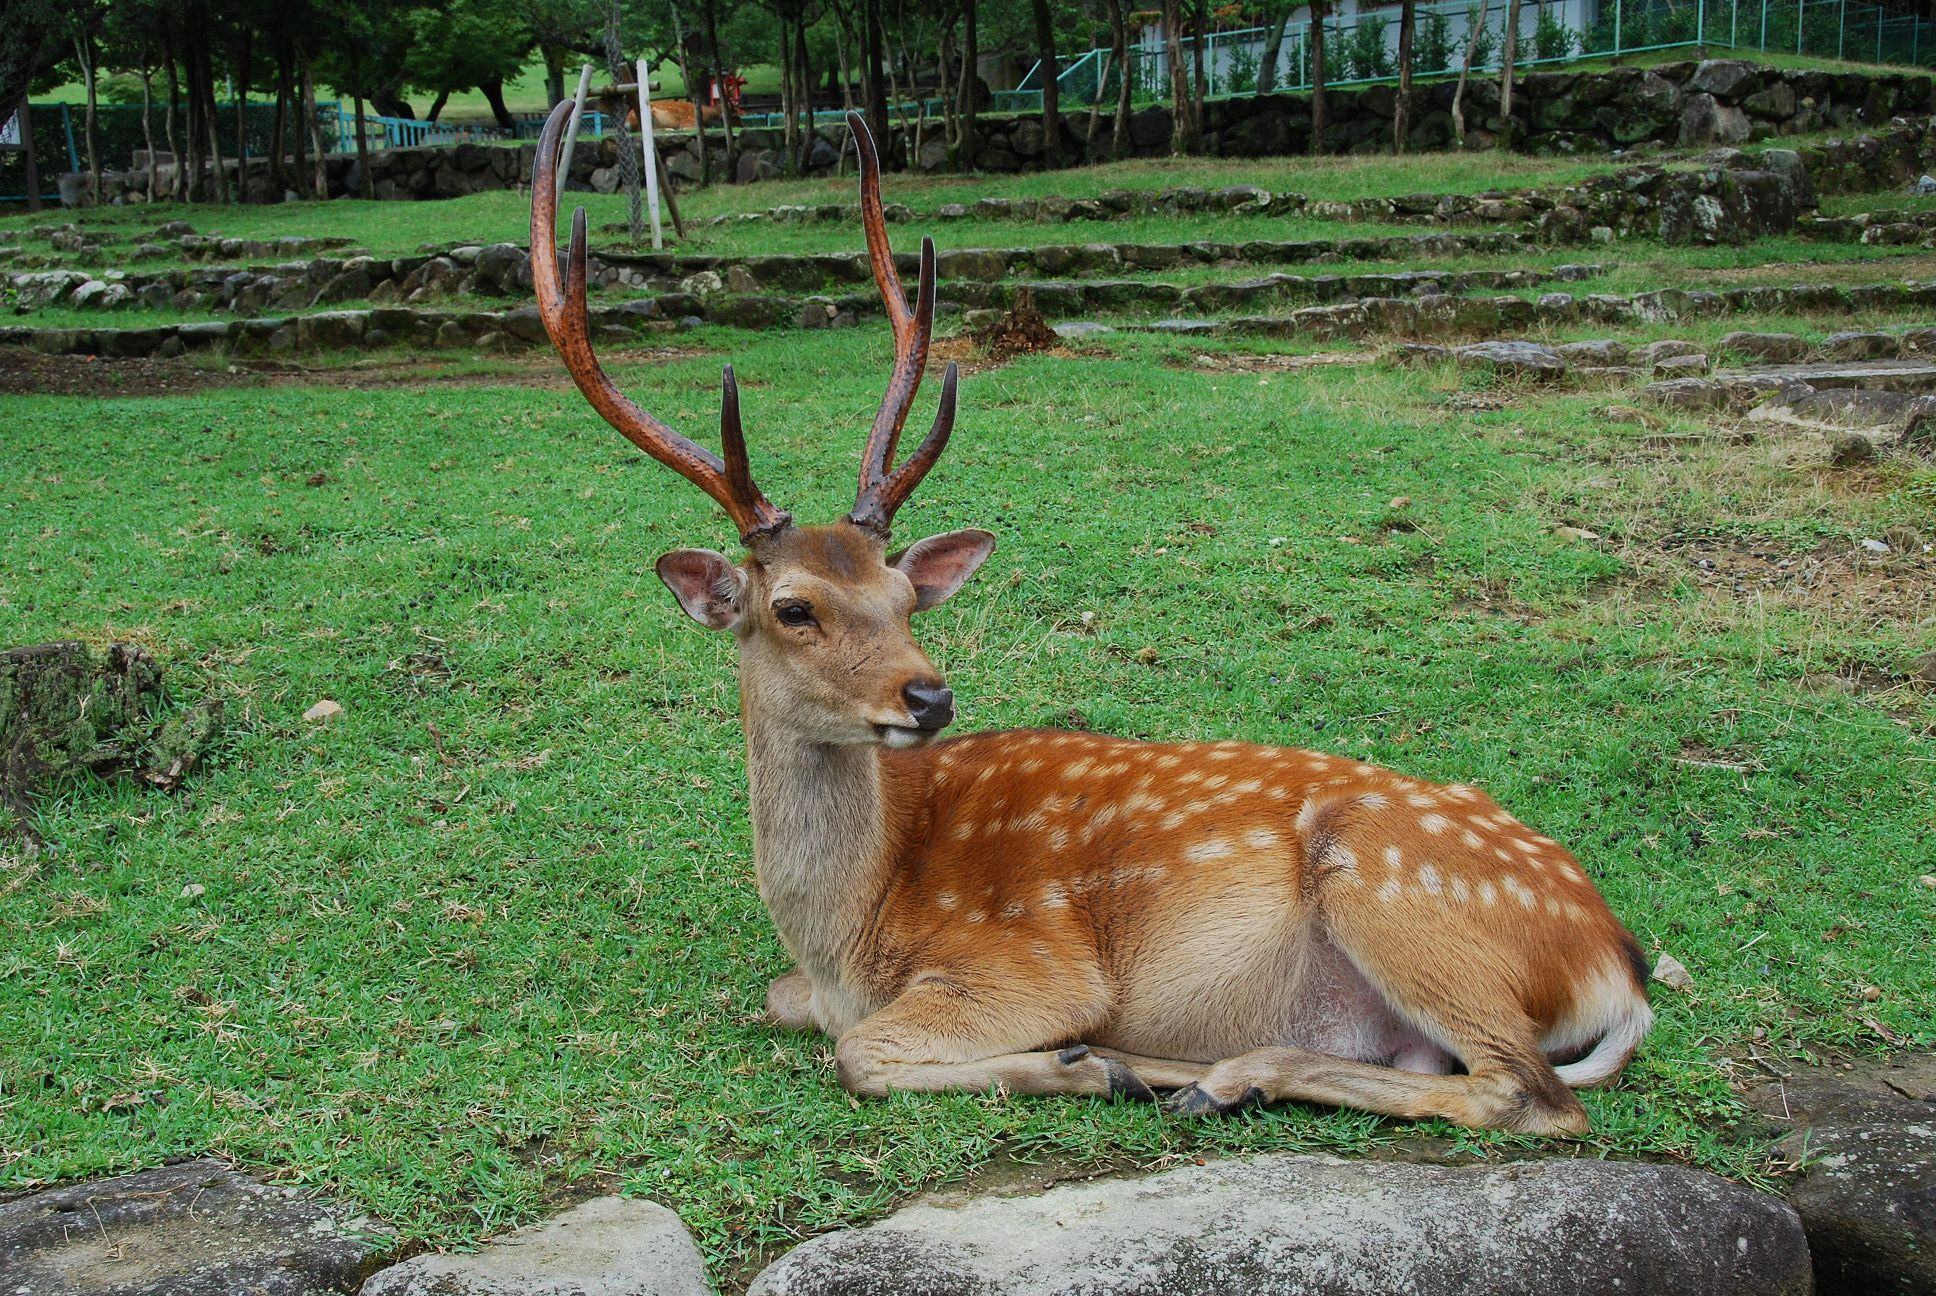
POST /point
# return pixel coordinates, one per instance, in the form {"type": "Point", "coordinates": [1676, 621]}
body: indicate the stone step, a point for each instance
{"type": "Point", "coordinates": [1423, 315]}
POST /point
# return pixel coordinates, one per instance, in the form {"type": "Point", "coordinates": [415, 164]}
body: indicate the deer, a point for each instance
{"type": "Point", "coordinates": [1044, 912]}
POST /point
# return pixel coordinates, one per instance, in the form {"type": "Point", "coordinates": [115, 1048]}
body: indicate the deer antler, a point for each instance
{"type": "Point", "coordinates": [728, 481]}
{"type": "Point", "coordinates": [881, 491]}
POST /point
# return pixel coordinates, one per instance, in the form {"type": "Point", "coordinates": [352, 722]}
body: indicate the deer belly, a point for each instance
{"type": "Point", "coordinates": [1218, 1002]}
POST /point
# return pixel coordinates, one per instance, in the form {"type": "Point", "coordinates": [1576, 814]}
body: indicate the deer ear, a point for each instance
{"type": "Point", "coordinates": [942, 564]}
{"type": "Point", "coordinates": [706, 584]}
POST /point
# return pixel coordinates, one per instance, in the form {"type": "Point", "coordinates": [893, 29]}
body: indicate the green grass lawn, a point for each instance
{"type": "Point", "coordinates": [494, 930]}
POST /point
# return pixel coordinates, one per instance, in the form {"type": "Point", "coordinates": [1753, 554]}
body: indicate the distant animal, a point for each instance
{"type": "Point", "coordinates": [667, 114]}
{"type": "Point", "coordinates": [1066, 913]}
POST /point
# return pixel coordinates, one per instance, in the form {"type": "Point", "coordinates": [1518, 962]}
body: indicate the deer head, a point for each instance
{"type": "Point", "coordinates": [820, 613]}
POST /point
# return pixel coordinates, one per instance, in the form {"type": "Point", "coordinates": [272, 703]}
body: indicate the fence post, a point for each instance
{"type": "Point", "coordinates": [1700, 26]}
{"type": "Point", "coordinates": [571, 127]}
{"type": "Point", "coordinates": [1764, 26]}
{"type": "Point", "coordinates": [67, 124]}
{"type": "Point", "coordinates": [1842, 30]}
{"type": "Point", "coordinates": [1616, 29]}
{"type": "Point", "coordinates": [651, 152]}
{"type": "Point", "coordinates": [1801, 22]}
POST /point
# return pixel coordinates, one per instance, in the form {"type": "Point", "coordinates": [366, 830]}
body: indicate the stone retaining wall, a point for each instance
{"type": "Point", "coordinates": [1427, 314]}
{"type": "Point", "coordinates": [1719, 101]}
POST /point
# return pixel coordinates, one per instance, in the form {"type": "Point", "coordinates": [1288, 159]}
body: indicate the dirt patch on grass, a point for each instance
{"type": "Point", "coordinates": [1851, 585]}
{"type": "Point", "coordinates": [25, 372]}
{"type": "Point", "coordinates": [29, 373]}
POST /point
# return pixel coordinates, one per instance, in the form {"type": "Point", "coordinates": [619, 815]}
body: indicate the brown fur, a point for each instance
{"type": "Point", "coordinates": [1239, 922]}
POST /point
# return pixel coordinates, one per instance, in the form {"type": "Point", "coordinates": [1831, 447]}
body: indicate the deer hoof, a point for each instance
{"type": "Point", "coordinates": [1193, 1101]}
{"type": "Point", "coordinates": [1123, 1082]}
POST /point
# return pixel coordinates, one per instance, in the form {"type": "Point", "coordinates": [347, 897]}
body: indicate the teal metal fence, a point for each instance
{"type": "Point", "coordinates": [1364, 47]}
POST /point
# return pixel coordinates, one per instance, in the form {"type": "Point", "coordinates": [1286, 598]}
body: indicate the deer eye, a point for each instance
{"type": "Point", "coordinates": [794, 614]}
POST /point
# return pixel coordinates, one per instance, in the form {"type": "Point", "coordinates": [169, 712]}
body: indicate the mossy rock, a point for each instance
{"type": "Point", "coordinates": [67, 710]}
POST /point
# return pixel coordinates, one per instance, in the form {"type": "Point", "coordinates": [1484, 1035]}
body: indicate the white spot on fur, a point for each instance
{"type": "Point", "coordinates": [1249, 785]}
{"type": "Point", "coordinates": [1390, 891]}
{"type": "Point", "coordinates": [1307, 817]}
{"type": "Point", "coordinates": [976, 915]}
{"type": "Point", "coordinates": [1216, 780]}
{"type": "Point", "coordinates": [1077, 769]}
{"type": "Point", "coordinates": [1210, 848]}
{"type": "Point", "coordinates": [1374, 801]}
{"type": "Point", "coordinates": [1462, 792]}
{"type": "Point", "coordinates": [1393, 857]}
{"type": "Point", "coordinates": [1054, 896]}
{"type": "Point", "coordinates": [1434, 823]}
{"type": "Point", "coordinates": [946, 899]}
{"type": "Point", "coordinates": [1460, 891]}
{"type": "Point", "coordinates": [1487, 894]}
{"type": "Point", "coordinates": [1471, 839]}
{"type": "Point", "coordinates": [1261, 839]}
{"type": "Point", "coordinates": [1428, 877]}
{"type": "Point", "coordinates": [1013, 909]}
{"type": "Point", "coordinates": [1421, 800]}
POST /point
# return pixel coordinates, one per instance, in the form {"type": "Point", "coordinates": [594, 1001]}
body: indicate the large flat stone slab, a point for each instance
{"type": "Point", "coordinates": [1881, 375]}
{"type": "Point", "coordinates": [610, 1246]}
{"type": "Point", "coordinates": [1314, 1226]}
{"type": "Point", "coordinates": [199, 1228]}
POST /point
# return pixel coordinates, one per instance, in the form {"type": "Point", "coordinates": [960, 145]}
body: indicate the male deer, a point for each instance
{"type": "Point", "coordinates": [1064, 913]}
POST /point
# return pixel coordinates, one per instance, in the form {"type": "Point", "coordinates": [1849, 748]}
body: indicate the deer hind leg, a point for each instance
{"type": "Point", "coordinates": [955, 1033]}
{"type": "Point", "coordinates": [1508, 1083]}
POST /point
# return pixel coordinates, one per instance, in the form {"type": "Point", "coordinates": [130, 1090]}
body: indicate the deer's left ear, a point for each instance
{"type": "Point", "coordinates": [942, 564]}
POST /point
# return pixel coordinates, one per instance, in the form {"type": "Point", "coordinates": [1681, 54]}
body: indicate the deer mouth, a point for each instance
{"type": "Point", "coordinates": [893, 735]}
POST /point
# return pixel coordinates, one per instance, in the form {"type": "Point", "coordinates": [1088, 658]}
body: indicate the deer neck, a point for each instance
{"type": "Point", "coordinates": [821, 849]}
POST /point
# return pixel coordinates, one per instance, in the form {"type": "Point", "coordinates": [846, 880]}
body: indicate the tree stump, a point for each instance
{"type": "Point", "coordinates": [64, 710]}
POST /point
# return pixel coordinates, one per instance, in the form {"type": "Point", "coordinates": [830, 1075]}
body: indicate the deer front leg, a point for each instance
{"type": "Point", "coordinates": [788, 1000]}
{"type": "Point", "coordinates": [947, 1032]}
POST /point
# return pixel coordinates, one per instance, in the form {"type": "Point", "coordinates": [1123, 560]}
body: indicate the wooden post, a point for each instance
{"type": "Point", "coordinates": [651, 156]}
{"type": "Point", "coordinates": [571, 130]}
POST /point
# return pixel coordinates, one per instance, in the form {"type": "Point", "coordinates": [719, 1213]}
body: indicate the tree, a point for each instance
{"type": "Point", "coordinates": [1183, 123]}
{"type": "Point", "coordinates": [481, 43]}
{"type": "Point", "coordinates": [1318, 14]}
{"type": "Point", "coordinates": [1276, 22]}
{"type": "Point", "coordinates": [1125, 77]}
{"type": "Point", "coordinates": [1051, 84]}
{"type": "Point", "coordinates": [1402, 109]}
{"type": "Point", "coordinates": [1506, 69]}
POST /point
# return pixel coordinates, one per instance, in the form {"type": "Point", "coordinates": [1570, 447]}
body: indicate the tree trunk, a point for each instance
{"type": "Point", "coordinates": [1465, 71]}
{"type": "Point", "coordinates": [314, 120]}
{"type": "Point", "coordinates": [1125, 76]}
{"type": "Point", "coordinates": [790, 121]}
{"type": "Point", "coordinates": [709, 10]}
{"type": "Point", "coordinates": [1402, 109]}
{"type": "Point", "coordinates": [29, 160]}
{"type": "Point", "coordinates": [1199, 87]}
{"type": "Point", "coordinates": [84, 49]}
{"type": "Point", "coordinates": [179, 189]}
{"type": "Point", "coordinates": [366, 183]}
{"type": "Point", "coordinates": [278, 130]}
{"type": "Point", "coordinates": [148, 123]}
{"type": "Point", "coordinates": [242, 116]}
{"type": "Point", "coordinates": [1273, 52]}
{"type": "Point", "coordinates": [697, 91]}
{"type": "Point", "coordinates": [970, 87]}
{"type": "Point", "coordinates": [1183, 134]}
{"type": "Point", "coordinates": [1507, 59]}
{"type": "Point", "coordinates": [1318, 9]}
{"type": "Point", "coordinates": [1051, 88]}
{"type": "Point", "coordinates": [804, 80]}
{"type": "Point", "coordinates": [871, 81]}
{"type": "Point", "coordinates": [211, 117]}
{"type": "Point", "coordinates": [1095, 105]}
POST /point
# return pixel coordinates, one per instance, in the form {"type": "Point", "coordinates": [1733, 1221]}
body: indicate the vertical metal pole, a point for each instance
{"type": "Point", "coordinates": [1764, 26]}
{"type": "Point", "coordinates": [67, 124]}
{"type": "Point", "coordinates": [571, 128]}
{"type": "Point", "coordinates": [1700, 25]}
{"type": "Point", "coordinates": [1616, 28]}
{"type": "Point", "coordinates": [651, 158]}
{"type": "Point", "coordinates": [1801, 22]}
{"type": "Point", "coordinates": [1842, 29]}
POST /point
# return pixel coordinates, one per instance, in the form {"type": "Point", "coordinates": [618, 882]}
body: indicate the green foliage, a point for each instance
{"type": "Point", "coordinates": [1485, 45]}
{"type": "Point", "coordinates": [1243, 69]}
{"type": "Point", "coordinates": [1432, 50]}
{"type": "Point", "coordinates": [1552, 37]}
{"type": "Point", "coordinates": [1366, 55]}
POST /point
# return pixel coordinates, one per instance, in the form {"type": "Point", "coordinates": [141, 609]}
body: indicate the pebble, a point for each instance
{"type": "Point", "coordinates": [323, 710]}
{"type": "Point", "coordinates": [1673, 973]}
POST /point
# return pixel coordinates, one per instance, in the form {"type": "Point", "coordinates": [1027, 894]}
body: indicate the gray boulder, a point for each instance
{"type": "Point", "coordinates": [198, 1228]}
{"type": "Point", "coordinates": [1314, 1226]}
{"type": "Point", "coordinates": [1512, 359]}
{"type": "Point", "coordinates": [610, 1246]}
{"type": "Point", "coordinates": [1774, 348]}
{"type": "Point", "coordinates": [1727, 78]}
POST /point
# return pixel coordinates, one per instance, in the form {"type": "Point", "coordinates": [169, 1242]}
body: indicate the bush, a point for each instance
{"type": "Point", "coordinates": [1552, 38]}
{"type": "Point", "coordinates": [1432, 51]}
{"type": "Point", "coordinates": [1365, 55]}
{"type": "Point", "coordinates": [1488, 41]}
{"type": "Point", "coordinates": [1243, 70]}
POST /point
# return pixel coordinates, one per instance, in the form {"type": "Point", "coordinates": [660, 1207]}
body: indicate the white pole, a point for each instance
{"type": "Point", "coordinates": [571, 131]}
{"type": "Point", "coordinates": [651, 160]}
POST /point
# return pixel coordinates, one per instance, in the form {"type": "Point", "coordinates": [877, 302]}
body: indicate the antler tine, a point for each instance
{"type": "Point", "coordinates": [566, 319]}
{"type": "Point", "coordinates": [912, 332]}
{"type": "Point", "coordinates": [889, 495]}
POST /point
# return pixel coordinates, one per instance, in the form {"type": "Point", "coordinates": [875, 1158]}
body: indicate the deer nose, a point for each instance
{"type": "Point", "coordinates": [930, 702]}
